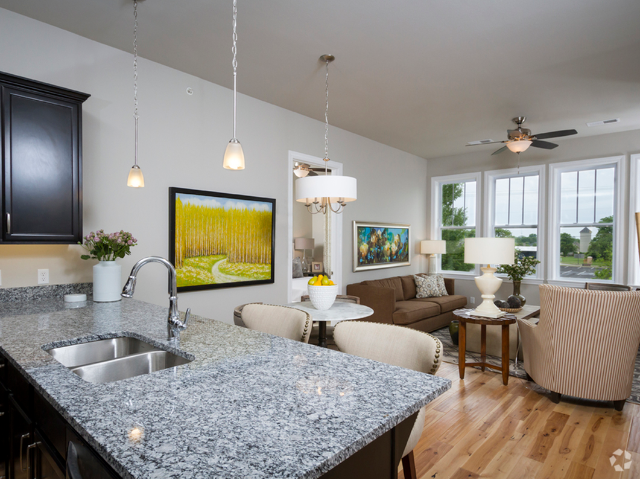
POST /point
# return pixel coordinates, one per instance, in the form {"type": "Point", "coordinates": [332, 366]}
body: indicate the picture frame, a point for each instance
{"type": "Point", "coordinates": [316, 267]}
{"type": "Point", "coordinates": [221, 240]}
{"type": "Point", "coordinates": [380, 245]}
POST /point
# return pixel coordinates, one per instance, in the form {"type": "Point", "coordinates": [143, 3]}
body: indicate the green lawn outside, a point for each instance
{"type": "Point", "coordinates": [573, 261]}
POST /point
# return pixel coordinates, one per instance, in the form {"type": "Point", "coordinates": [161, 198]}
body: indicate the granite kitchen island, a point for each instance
{"type": "Point", "coordinates": [248, 404]}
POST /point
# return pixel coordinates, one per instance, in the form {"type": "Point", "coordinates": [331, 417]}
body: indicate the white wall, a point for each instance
{"type": "Point", "coordinates": [182, 140]}
{"type": "Point", "coordinates": [570, 149]}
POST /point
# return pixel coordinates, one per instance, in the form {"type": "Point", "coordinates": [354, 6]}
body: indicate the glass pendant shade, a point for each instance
{"type": "Point", "coordinates": [301, 173]}
{"type": "Point", "coordinates": [233, 156]}
{"type": "Point", "coordinates": [136, 179]}
{"type": "Point", "coordinates": [519, 146]}
{"type": "Point", "coordinates": [337, 189]}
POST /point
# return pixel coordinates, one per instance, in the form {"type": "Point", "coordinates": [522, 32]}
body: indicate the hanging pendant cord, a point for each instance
{"type": "Point", "coordinates": [326, 119]}
{"type": "Point", "coordinates": [135, 75]}
{"type": "Point", "coordinates": [234, 63]}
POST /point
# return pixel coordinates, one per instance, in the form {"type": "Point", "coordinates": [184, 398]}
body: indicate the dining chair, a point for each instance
{"type": "Point", "coordinates": [314, 338]}
{"type": "Point", "coordinates": [280, 321]}
{"type": "Point", "coordinates": [398, 346]}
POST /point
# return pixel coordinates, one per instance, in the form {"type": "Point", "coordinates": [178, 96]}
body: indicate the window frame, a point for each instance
{"type": "Point", "coordinates": [633, 273]}
{"type": "Point", "coordinates": [555, 171]}
{"type": "Point", "coordinates": [436, 220]}
{"type": "Point", "coordinates": [490, 178]}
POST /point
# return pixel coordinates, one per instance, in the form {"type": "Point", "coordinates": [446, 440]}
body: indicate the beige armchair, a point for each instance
{"type": "Point", "coordinates": [398, 346]}
{"type": "Point", "coordinates": [280, 321]}
{"type": "Point", "coordinates": [585, 344]}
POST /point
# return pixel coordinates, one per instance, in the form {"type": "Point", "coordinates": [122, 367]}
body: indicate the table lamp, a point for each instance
{"type": "Point", "coordinates": [432, 248]}
{"type": "Point", "coordinates": [489, 251]}
{"type": "Point", "coordinates": [304, 244]}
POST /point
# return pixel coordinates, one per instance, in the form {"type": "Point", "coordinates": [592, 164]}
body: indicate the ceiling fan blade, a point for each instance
{"type": "Point", "coordinates": [547, 145]}
{"type": "Point", "coordinates": [497, 152]}
{"type": "Point", "coordinates": [555, 134]}
{"type": "Point", "coordinates": [485, 143]}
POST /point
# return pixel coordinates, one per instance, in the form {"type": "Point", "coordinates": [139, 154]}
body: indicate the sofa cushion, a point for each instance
{"type": "Point", "coordinates": [436, 278]}
{"type": "Point", "coordinates": [446, 303]}
{"type": "Point", "coordinates": [393, 283]}
{"type": "Point", "coordinates": [408, 287]}
{"type": "Point", "coordinates": [408, 312]}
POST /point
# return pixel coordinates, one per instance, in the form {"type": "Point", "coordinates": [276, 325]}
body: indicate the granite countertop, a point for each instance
{"type": "Point", "coordinates": [248, 405]}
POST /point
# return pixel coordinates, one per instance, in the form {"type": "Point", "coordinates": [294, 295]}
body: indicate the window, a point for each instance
{"type": "Point", "coordinates": [585, 223]}
{"type": "Point", "coordinates": [457, 198]}
{"type": "Point", "coordinates": [514, 204]}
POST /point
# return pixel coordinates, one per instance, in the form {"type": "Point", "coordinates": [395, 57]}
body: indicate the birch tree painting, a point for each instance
{"type": "Point", "coordinates": [221, 239]}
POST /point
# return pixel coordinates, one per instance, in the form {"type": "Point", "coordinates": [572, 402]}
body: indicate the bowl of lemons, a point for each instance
{"type": "Point", "coordinates": [322, 292]}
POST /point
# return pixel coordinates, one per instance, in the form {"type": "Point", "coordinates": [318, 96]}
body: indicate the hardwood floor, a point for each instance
{"type": "Point", "coordinates": [480, 428]}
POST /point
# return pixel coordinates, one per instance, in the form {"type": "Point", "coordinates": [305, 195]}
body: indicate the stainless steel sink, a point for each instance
{"type": "Point", "coordinates": [109, 360]}
{"type": "Point", "coordinates": [101, 350]}
{"type": "Point", "coordinates": [130, 366]}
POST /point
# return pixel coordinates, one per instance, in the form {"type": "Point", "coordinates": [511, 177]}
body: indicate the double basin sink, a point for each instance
{"type": "Point", "coordinates": [109, 360]}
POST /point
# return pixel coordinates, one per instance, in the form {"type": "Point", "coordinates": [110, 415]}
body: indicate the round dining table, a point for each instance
{"type": "Point", "coordinates": [339, 311]}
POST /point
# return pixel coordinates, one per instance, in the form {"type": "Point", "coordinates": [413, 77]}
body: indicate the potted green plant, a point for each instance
{"type": "Point", "coordinates": [106, 248]}
{"type": "Point", "coordinates": [522, 266]}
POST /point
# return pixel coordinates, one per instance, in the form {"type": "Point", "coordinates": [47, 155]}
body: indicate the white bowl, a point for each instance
{"type": "Point", "coordinates": [322, 297]}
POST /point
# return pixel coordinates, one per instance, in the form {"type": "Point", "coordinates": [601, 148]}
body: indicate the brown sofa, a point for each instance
{"type": "Point", "coordinates": [394, 301]}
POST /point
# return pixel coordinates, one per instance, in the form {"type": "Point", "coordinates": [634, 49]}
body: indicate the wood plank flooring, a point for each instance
{"type": "Point", "coordinates": [482, 429]}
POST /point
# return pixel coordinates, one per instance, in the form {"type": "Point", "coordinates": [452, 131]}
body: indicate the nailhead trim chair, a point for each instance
{"type": "Point", "coordinates": [585, 344]}
{"type": "Point", "coordinates": [280, 321]}
{"type": "Point", "coordinates": [398, 346]}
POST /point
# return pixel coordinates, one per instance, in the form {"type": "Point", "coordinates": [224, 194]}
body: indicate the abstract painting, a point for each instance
{"type": "Point", "coordinates": [378, 245]}
{"type": "Point", "coordinates": [219, 240]}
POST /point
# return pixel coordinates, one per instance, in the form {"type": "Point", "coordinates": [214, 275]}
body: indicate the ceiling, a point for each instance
{"type": "Point", "coordinates": [424, 76]}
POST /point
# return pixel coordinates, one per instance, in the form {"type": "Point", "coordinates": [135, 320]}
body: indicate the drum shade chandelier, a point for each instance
{"type": "Point", "coordinates": [323, 193]}
{"type": "Point", "coordinates": [233, 155]}
{"type": "Point", "coordinates": [136, 179]}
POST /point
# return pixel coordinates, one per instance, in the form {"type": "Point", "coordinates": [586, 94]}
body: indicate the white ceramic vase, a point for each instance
{"type": "Point", "coordinates": [107, 282]}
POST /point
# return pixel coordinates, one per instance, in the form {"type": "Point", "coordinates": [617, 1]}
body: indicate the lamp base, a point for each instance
{"type": "Point", "coordinates": [488, 285]}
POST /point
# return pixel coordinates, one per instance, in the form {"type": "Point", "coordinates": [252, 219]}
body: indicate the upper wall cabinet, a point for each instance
{"type": "Point", "coordinates": [41, 162]}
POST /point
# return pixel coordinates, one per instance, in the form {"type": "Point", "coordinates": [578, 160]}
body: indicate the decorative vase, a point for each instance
{"type": "Point", "coordinates": [454, 326]}
{"type": "Point", "coordinates": [516, 293]}
{"type": "Point", "coordinates": [107, 282]}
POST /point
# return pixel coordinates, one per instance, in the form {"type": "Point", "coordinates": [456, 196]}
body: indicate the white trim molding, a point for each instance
{"type": "Point", "coordinates": [633, 265]}
{"type": "Point", "coordinates": [336, 227]}
{"type": "Point", "coordinates": [555, 169]}
{"type": "Point", "coordinates": [490, 178]}
{"type": "Point", "coordinates": [436, 234]}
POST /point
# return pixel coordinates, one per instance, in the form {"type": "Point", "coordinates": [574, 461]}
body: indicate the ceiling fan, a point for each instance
{"type": "Point", "coordinates": [303, 169]}
{"type": "Point", "coordinates": [521, 139]}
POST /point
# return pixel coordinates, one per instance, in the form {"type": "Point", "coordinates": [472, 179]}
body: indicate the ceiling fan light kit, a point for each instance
{"type": "Point", "coordinates": [521, 139]}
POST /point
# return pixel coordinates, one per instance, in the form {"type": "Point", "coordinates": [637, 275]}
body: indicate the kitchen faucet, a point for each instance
{"type": "Point", "coordinates": [174, 325]}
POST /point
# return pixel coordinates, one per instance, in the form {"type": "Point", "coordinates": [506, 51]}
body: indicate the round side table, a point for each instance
{"type": "Point", "coordinates": [465, 316]}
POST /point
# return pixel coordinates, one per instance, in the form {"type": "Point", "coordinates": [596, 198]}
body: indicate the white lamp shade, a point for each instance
{"type": "Point", "coordinates": [303, 243]}
{"type": "Point", "coordinates": [336, 188]}
{"type": "Point", "coordinates": [433, 247]}
{"type": "Point", "coordinates": [519, 146]}
{"type": "Point", "coordinates": [489, 250]}
{"type": "Point", "coordinates": [135, 180]}
{"type": "Point", "coordinates": [233, 156]}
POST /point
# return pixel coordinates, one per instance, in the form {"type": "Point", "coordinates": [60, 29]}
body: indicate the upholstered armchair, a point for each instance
{"type": "Point", "coordinates": [585, 344]}
{"type": "Point", "coordinates": [398, 346]}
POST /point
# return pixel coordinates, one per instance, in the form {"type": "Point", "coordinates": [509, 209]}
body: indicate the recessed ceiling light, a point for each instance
{"type": "Point", "coordinates": [604, 122]}
{"type": "Point", "coordinates": [480, 142]}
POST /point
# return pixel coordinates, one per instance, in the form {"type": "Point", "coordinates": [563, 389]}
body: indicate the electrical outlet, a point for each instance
{"type": "Point", "coordinates": [43, 276]}
{"type": "Point", "coordinates": [472, 300]}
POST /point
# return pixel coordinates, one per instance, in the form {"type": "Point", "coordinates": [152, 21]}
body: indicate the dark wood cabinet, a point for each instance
{"type": "Point", "coordinates": [41, 162]}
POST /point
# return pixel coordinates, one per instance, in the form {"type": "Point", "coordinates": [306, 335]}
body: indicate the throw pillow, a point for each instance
{"type": "Point", "coordinates": [297, 268]}
{"type": "Point", "coordinates": [427, 286]}
{"type": "Point", "coordinates": [440, 279]}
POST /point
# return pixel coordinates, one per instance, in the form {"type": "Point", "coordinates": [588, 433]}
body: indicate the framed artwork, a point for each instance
{"type": "Point", "coordinates": [380, 245]}
{"type": "Point", "coordinates": [316, 267]}
{"type": "Point", "coordinates": [219, 240]}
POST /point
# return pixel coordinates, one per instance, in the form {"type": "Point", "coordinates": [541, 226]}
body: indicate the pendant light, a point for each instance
{"type": "Point", "coordinates": [135, 180]}
{"type": "Point", "coordinates": [233, 155]}
{"type": "Point", "coordinates": [321, 193]}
